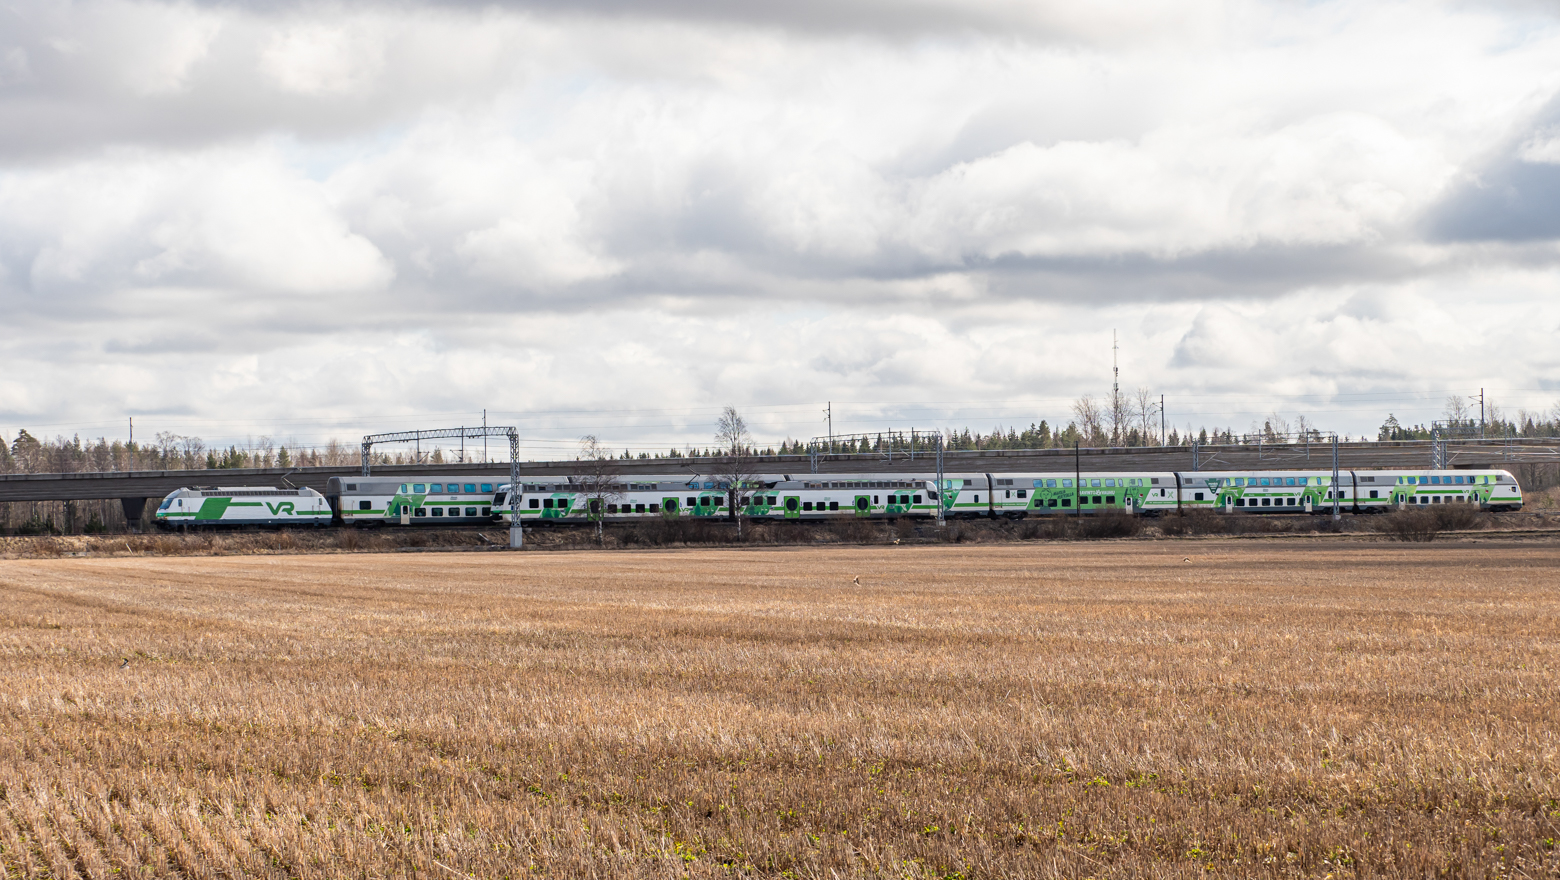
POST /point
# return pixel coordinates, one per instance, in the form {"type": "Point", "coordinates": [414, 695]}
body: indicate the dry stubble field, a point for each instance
{"type": "Point", "coordinates": [1266, 709]}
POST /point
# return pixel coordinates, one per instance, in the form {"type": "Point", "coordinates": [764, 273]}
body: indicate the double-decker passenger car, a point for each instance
{"type": "Point", "coordinates": [777, 496]}
{"type": "Point", "coordinates": [1492, 490]}
{"type": "Point", "coordinates": [366, 501]}
{"type": "Point", "coordinates": [1044, 494]}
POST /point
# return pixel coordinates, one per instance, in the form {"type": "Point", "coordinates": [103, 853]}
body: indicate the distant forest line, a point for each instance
{"type": "Point", "coordinates": [1121, 422]}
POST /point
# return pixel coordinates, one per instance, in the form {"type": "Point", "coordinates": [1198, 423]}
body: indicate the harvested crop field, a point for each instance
{"type": "Point", "coordinates": [1260, 708]}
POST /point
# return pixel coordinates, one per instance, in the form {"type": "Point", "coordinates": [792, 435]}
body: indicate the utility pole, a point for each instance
{"type": "Point", "coordinates": [1164, 437]}
{"type": "Point", "coordinates": [1115, 391]}
{"type": "Point", "coordinates": [942, 486]}
{"type": "Point", "coordinates": [1077, 480]}
{"type": "Point", "coordinates": [828, 415]}
{"type": "Point", "coordinates": [1481, 413]}
{"type": "Point", "coordinates": [1336, 490]}
{"type": "Point", "coordinates": [484, 437]}
{"type": "Point", "coordinates": [132, 424]}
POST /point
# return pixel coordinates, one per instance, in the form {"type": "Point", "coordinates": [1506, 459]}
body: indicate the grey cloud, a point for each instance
{"type": "Point", "coordinates": [1513, 197]}
{"type": "Point", "coordinates": [889, 18]}
{"type": "Point", "coordinates": [1511, 200]}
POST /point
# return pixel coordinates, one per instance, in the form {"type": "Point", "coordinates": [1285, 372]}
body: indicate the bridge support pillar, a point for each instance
{"type": "Point", "coordinates": [134, 509]}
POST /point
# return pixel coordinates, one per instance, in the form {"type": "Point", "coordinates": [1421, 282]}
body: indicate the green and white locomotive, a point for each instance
{"type": "Point", "coordinates": [216, 506]}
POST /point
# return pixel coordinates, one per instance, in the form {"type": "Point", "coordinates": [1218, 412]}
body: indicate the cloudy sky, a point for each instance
{"type": "Point", "coordinates": [312, 220]}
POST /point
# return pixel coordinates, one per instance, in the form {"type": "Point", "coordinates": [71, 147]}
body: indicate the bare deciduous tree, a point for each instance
{"type": "Point", "coordinates": [1145, 406]}
{"type": "Point", "coordinates": [737, 468]}
{"type": "Point", "coordinates": [1456, 410]}
{"type": "Point", "coordinates": [1090, 420]}
{"type": "Point", "coordinates": [1119, 411]}
{"type": "Point", "coordinates": [596, 477]}
{"type": "Point", "coordinates": [1276, 428]}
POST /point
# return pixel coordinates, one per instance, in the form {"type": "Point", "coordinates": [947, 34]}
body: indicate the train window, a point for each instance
{"type": "Point", "coordinates": [487, 487]}
{"type": "Point", "coordinates": [471, 511]}
{"type": "Point", "coordinates": [1048, 503]}
{"type": "Point", "coordinates": [403, 489]}
{"type": "Point", "coordinates": [1067, 484]}
{"type": "Point", "coordinates": [1110, 499]}
{"type": "Point", "coordinates": [438, 511]}
{"type": "Point", "coordinates": [469, 487]}
{"type": "Point", "coordinates": [1199, 496]}
{"type": "Point", "coordinates": [1241, 502]}
{"type": "Point", "coordinates": [1098, 500]}
{"type": "Point", "coordinates": [611, 508]}
{"type": "Point", "coordinates": [1094, 483]}
{"type": "Point", "coordinates": [419, 512]}
{"type": "Point", "coordinates": [977, 499]}
{"type": "Point", "coordinates": [917, 499]}
{"type": "Point", "coordinates": [1240, 481]}
{"type": "Point", "coordinates": [1022, 493]}
{"type": "Point", "coordinates": [1110, 483]}
{"type": "Point", "coordinates": [1457, 480]}
{"type": "Point", "coordinates": [1067, 502]}
{"type": "Point", "coordinates": [365, 505]}
{"type": "Point", "coordinates": [535, 504]}
{"type": "Point", "coordinates": [1373, 493]}
{"type": "Point", "coordinates": [807, 505]}
{"type": "Point", "coordinates": [1050, 484]}
{"type": "Point", "coordinates": [436, 487]}
{"type": "Point", "coordinates": [1435, 481]}
{"type": "Point", "coordinates": [1289, 481]}
{"type": "Point", "coordinates": [547, 503]}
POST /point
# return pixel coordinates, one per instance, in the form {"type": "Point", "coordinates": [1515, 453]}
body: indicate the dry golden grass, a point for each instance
{"type": "Point", "coordinates": [1267, 709]}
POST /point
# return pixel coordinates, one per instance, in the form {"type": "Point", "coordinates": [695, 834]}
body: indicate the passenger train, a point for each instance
{"type": "Point", "coordinates": [455, 500]}
{"type": "Point", "coordinates": [1014, 495]}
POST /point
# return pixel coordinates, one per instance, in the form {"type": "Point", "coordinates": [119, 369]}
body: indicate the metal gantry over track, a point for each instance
{"type": "Point", "coordinates": [516, 539]}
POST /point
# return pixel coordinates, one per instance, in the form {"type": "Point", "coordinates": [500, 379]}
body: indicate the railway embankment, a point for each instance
{"type": "Point", "coordinates": [1450, 524]}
